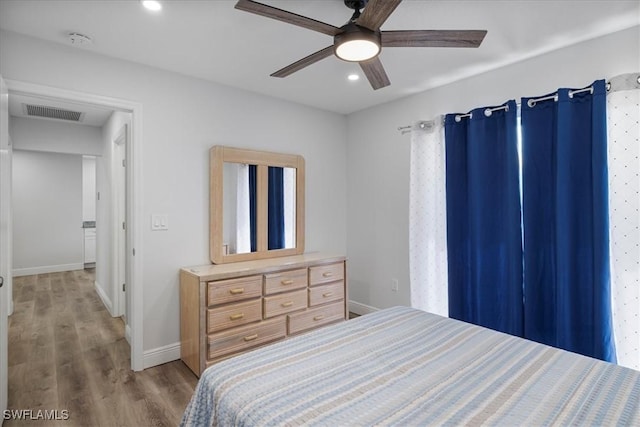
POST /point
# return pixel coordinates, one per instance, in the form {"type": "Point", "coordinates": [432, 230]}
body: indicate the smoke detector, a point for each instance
{"type": "Point", "coordinates": [78, 39]}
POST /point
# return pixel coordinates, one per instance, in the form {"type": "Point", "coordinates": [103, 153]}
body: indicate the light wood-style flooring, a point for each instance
{"type": "Point", "coordinates": [66, 352]}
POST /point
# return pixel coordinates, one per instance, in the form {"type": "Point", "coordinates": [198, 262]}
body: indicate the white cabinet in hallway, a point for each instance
{"type": "Point", "coordinates": [89, 245]}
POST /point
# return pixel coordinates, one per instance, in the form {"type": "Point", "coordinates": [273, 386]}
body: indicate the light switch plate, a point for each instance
{"type": "Point", "coordinates": [159, 222]}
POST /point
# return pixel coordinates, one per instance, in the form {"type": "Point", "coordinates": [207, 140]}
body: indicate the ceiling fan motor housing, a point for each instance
{"type": "Point", "coordinates": [355, 4]}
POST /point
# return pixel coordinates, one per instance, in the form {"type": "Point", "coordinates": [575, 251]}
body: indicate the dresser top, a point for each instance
{"type": "Point", "coordinates": [247, 268]}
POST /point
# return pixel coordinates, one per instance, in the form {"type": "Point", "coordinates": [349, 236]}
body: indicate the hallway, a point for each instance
{"type": "Point", "coordinates": [66, 352]}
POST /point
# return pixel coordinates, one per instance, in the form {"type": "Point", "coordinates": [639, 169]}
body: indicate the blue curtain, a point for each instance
{"type": "Point", "coordinates": [276, 208]}
{"type": "Point", "coordinates": [565, 213]}
{"type": "Point", "coordinates": [484, 236]}
{"type": "Point", "coordinates": [253, 201]}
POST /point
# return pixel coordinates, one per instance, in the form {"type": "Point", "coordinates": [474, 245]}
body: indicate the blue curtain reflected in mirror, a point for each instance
{"type": "Point", "coordinates": [241, 208]}
{"type": "Point", "coordinates": [275, 209]}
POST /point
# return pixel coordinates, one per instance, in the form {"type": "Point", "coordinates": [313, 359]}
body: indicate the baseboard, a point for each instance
{"type": "Point", "coordinates": [29, 271]}
{"type": "Point", "coordinates": [358, 308]}
{"type": "Point", "coordinates": [105, 299]}
{"type": "Point", "coordinates": [127, 334]}
{"type": "Point", "coordinates": [160, 355]}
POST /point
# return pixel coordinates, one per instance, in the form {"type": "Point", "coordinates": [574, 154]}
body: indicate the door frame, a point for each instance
{"type": "Point", "coordinates": [119, 214]}
{"type": "Point", "coordinates": [134, 190]}
{"type": "Point", "coordinates": [6, 301]}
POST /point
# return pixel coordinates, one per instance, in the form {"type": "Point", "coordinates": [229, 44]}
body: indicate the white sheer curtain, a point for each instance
{"type": "Point", "coordinates": [623, 115]}
{"type": "Point", "coordinates": [243, 221]}
{"type": "Point", "coordinates": [289, 183]}
{"type": "Point", "coordinates": [428, 219]}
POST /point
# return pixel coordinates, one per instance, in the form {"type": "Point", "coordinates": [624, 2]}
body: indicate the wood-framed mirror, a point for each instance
{"type": "Point", "coordinates": [256, 204]}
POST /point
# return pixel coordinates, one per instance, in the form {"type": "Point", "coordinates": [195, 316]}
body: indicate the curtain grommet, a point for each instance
{"type": "Point", "coordinates": [457, 118]}
{"type": "Point", "coordinates": [488, 112]}
{"type": "Point", "coordinates": [609, 85]}
{"type": "Point", "coordinates": [531, 103]}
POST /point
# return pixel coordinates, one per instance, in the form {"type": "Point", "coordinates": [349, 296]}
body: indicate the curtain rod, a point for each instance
{"type": "Point", "coordinates": [530, 103]}
{"type": "Point", "coordinates": [423, 124]}
{"type": "Point", "coordinates": [620, 82]}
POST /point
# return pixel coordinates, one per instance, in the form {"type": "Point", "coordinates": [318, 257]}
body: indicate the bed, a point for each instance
{"type": "Point", "coordinates": [405, 367]}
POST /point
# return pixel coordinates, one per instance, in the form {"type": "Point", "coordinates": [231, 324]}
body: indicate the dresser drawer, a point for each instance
{"type": "Point", "coordinates": [224, 291]}
{"type": "Point", "coordinates": [238, 339]}
{"type": "Point", "coordinates": [315, 317]}
{"type": "Point", "coordinates": [285, 281]}
{"type": "Point", "coordinates": [237, 314]}
{"type": "Point", "coordinates": [326, 293]}
{"type": "Point", "coordinates": [285, 303]}
{"type": "Point", "coordinates": [326, 273]}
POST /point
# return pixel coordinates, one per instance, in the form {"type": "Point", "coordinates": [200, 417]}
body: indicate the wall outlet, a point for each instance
{"type": "Point", "coordinates": [394, 285]}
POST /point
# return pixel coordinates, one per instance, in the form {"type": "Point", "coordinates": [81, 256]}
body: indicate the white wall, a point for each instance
{"type": "Point", "coordinates": [32, 136]}
{"type": "Point", "coordinates": [47, 212]}
{"type": "Point", "coordinates": [47, 135]}
{"type": "Point", "coordinates": [88, 188]}
{"type": "Point", "coordinates": [182, 118]}
{"type": "Point", "coordinates": [378, 155]}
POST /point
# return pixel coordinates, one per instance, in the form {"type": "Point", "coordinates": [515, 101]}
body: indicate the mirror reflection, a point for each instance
{"type": "Point", "coordinates": [239, 205]}
{"type": "Point", "coordinates": [240, 197]}
{"type": "Point", "coordinates": [281, 202]}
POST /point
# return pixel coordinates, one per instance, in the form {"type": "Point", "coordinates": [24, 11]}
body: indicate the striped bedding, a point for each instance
{"type": "Point", "coordinates": [405, 367]}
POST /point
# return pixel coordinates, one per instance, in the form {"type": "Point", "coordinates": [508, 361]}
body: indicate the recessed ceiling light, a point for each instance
{"type": "Point", "coordinates": [152, 5]}
{"type": "Point", "coordinates": [353, 77]}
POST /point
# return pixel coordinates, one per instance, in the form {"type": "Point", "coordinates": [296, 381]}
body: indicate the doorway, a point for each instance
{"type": "Point", "coordinates": [126, 204]}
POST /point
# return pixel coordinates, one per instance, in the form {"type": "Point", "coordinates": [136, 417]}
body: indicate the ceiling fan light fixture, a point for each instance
{"type": "Point", "coordinates": [357, 44]}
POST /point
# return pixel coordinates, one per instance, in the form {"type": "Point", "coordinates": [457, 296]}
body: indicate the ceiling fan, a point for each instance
{"type": "Point", "coordinates": [360, 40]}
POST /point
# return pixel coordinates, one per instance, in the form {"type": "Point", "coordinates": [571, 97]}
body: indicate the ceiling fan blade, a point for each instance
{"type": "Point", "coordinates": [304, 62]}
{"type": "Point", "coordinates": [433, 38]}
{"type": "Point", "coordinates": [376, 12]}
{"type": "Point", "coordinates": [375, 73]}
{"type": "Point", "coordinates": [284, 16]}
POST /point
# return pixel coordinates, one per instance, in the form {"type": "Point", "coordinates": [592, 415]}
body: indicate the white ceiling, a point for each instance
{"type": "Point", "coordinates": [213, 41]}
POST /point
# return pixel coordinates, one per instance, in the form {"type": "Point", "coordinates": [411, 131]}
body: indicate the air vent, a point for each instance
{"type": "Point", "coordinates": [52, 113]}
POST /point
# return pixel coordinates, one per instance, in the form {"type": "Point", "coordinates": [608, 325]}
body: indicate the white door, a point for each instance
{"type": "Point", "coordinates": [5, 242]}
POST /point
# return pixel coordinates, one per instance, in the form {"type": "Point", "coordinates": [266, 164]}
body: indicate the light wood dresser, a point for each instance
{"type": "Point", "coordinates": [227, 309]}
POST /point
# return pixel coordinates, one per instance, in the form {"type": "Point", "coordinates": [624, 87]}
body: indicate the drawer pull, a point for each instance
{"type": "Point", "coordinates": [251, 337]}
{"type": "Point", "coordinates": [287, 282]}
{"type": "Point", "coordinates": [236, 291]}
{"type": "Point", "coordinates": [318, 317]}
{"type": "Point", "coordinates": [287, 304]}
{"type": "Point", "coordinates": [236, 316]}
{"type": "Point", "coordinates": [327, 294]}
{"type": "Point", "coordinates": [327, 274]}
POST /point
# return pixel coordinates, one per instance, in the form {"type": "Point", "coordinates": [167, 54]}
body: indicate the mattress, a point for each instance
{"type": "Point", "coordinates": [405, 367]}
